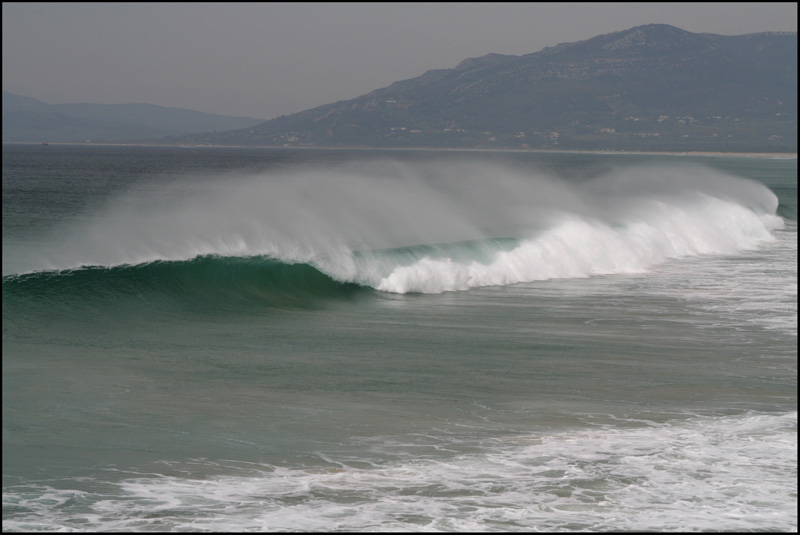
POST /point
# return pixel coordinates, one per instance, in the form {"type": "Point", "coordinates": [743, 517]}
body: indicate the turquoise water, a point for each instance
{"type": "Point", "coordinates": [270, 340]}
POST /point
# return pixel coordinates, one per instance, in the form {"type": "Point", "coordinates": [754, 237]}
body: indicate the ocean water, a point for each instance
{"type": "Point", "coordinates": [209, 339]}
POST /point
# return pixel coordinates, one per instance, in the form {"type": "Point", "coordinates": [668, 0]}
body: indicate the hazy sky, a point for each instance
{"type": "Point", "coordinates": [267, 59]}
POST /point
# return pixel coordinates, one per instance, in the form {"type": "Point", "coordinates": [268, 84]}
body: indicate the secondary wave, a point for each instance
{"type": "Point", "coordinates": [425, 228]}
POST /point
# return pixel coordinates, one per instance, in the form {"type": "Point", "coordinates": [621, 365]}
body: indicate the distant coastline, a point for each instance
{"type": "Point", "coordinates": [773, 155]}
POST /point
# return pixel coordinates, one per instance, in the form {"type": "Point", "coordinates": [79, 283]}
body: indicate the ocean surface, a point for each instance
{"type": "Point", "coordinates": [349, 340]}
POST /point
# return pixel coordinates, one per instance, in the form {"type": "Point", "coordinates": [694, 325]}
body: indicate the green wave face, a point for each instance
{"type": "Point", "coordinates": [217, 283]}
{"type": "Point", "coordinates": [203, 284]}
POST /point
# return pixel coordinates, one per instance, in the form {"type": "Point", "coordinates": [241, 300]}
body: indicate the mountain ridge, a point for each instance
{"type": "Point", "coordinates": [651, 87]}
{"type": "Point", "coordinates": [26, 119]}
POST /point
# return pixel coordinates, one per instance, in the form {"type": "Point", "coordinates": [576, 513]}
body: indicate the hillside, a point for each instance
{"type": "Point", "coordinates": [30, 120]}
{"type": "Point", "coordinates": [653, 87]}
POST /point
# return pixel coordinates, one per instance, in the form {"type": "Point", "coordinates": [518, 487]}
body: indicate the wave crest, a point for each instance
{"type": "Point", "coordinates": [377, 224]}
{"type": "Point", "coordinates": [579, 248]}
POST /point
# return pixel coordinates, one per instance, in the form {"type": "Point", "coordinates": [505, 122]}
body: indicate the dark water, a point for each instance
{"type": "Point", "coordinates": [269, 340]}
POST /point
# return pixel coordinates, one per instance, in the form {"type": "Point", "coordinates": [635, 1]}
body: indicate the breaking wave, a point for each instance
{"type": "Point", "coordinates": [400, 228]}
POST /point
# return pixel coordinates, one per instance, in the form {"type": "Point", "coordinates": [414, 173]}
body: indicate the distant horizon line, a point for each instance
{"type": "Point", "coordinates": [781, 155]}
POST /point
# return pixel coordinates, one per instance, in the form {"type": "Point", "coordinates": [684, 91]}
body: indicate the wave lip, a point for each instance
{"type": "Point", "coordinates": [577, 248]}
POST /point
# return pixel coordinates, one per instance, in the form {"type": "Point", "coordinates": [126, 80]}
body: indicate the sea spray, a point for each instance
{"type": "Point", "coordinates": [387, 224]}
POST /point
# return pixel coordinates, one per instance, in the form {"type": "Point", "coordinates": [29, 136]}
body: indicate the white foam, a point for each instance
{"type": "Point", "coordinates": [576, 247]}
{"type": "Point", "coordinates": [734, 473]}
{"type": "Point", "coordinates": [754, 287]}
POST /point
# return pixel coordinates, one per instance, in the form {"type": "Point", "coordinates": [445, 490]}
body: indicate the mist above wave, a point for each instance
{"type": "Point", "coordinates": [344, 219]}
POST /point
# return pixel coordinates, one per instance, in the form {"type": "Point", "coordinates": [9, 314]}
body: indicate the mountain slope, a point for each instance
{"type": "Point", "coordinates": [650, 87]}
{"type": "Point", "coordinates": [30, 120]}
